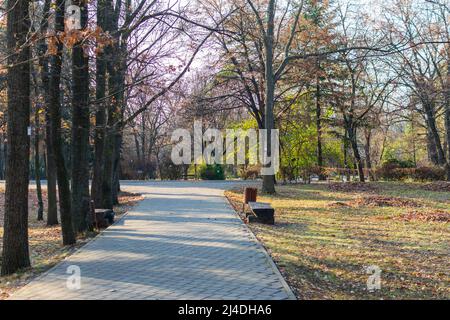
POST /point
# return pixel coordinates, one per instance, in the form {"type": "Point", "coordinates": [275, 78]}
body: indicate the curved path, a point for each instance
{"type": "Point", "coordinates": [184, 241]}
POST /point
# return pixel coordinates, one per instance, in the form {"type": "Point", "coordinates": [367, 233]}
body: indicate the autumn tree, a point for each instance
{"type": "Point", "coordinates": [15, 238]}
{"type": "Point", "coordinates": [423, 69]}
{"type": "Point", "coordinates": [80, 201]}
{"type": "Point", "coordinates": [55, 125]}
{"type": "Point", "coordinates": [44, 92]}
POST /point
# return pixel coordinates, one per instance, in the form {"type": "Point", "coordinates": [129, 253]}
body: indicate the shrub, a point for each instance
{"type": "Point", "coordinates": [168, 170]}
{"type": "Point", "coordinates": [395, 163]}
{"type": "Point", "coordinates": [251, 172]}
{"type": "Point", "coordinates": [390, 173]}
{"type": "Point", "coordinates": [318, 171]}
{"type": "Point", "coordinates": [212, 172]}
{"type": "Point", "coordinates": [394, 169]}
{"type": "Point", "coordinates": [429, 174]}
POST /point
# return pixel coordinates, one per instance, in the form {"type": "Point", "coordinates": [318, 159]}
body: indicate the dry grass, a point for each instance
{"type": "Point", "coordinates": [323, 246]}
{"type": "Point", "coordinates": [46, 248]}
{"type": "Point", "coordinates": [442, 186]}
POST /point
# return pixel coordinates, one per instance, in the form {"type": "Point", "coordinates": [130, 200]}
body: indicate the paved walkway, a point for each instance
{"type": "Point", "coordinates": [183, 241]}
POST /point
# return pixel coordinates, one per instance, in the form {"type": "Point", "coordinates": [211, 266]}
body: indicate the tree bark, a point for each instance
{"type": "Point", "coordinates": [15, 237]}
{"type": "Point", "coordinates": [359, 163]}
{"type": "Point", "coordinates": [345, 149]}
{"type": "Point", "coordinates": [144, 158]}
{"type": "Point", "coordinates": [116, 67]}
{"type": "Point", "coordinates": [114, 138]}
{"type": "Point", "coordinates": [434, 133]}
{"type": "Point", "coordinates": [100, 115]}
{"type": "Point", "coordinates": [319, 122]}
{"type": "Point", "coordinates": [110, 143]}
{"type": "Point", "coordinates": [447, 111]}
{"type": "Point", "coordinates": [108, 159]}
{"type": "Point", "coordinates": [116, 168]}
{"type": "Point", "coordinates": [367, 152]}
{"type": "Point", "coordinates": [52, 206]}
{"type": "Point", "coordinates": [2, 156]}
{"type": "Point", "coordinates": [99, 139]}
{"type": "Point", "coordinates": [52, 209]}
{"type": "Point", "coordinates": [269, 180]}
{"type": "Point", "coordinates": [68, 233]}
{"type": "Point", "coordinates": [431, 148]}
{"type": "Point", "coordinates": [138, 147]}
{"type": "Point", "coordinates": [80, 204]}
{"type": "Point", "coordinates": [3, 143]}
{"type": "Point", "coordinates": [37, 164]}
{"type": "Point", "coordinates": [447, 131]}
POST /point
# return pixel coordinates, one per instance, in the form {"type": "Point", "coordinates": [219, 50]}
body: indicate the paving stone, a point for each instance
{"type": "Point", "coordinates": [183, 241]}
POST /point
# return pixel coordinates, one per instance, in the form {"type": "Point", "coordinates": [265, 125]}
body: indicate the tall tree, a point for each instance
{"type": "Point", "coordinates": [55, 125]}
{"type": "Point", "coordinates": [100, 111]}
{"type": "Point", "coordinates": [113, 111]}
{"type": "Point", "coordinates": [441, 61]}
{"type": "Point", "coordinates": [37, 162]}
{"type": "Point", "coordinates": [419, 66]}
{"type": "Point", "coordinates": [269, 32]}
{"type": "Point", "coordinates": [80, 126]}
{"type": "Point", "coordinates": [42, 93]}
{"type": "Point", "coordinates": [15, 238]}
{"type": "Point", "coordinates": [52, 209]}
{"type": "Point", "coordinates": [319, 117]}
{"type": "Point", "coordinates": [36, 142]}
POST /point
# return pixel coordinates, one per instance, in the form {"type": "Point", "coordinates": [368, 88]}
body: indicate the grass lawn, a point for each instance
{"type": "Point", "coordinates": [326, 236]}
{"type": "Point", "coordinates": [46, 247]}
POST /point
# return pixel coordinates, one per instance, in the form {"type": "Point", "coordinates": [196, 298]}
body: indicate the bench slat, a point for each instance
{"type": "Point", "coordinates": [263, 211]}
{"type": "Point", "coordinates": [259, 205]}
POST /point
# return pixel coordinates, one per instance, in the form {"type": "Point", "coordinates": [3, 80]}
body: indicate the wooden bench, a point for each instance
{"type": "Point", "coordinates": [261, 212]}
{"type": "Point", "coordinates": [101, 218]}
{"type": "Point", "coordinates": [250, 195]}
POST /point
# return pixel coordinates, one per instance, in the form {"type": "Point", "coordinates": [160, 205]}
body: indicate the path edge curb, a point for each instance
{"type": "Point", "coordinates": [287, 288]}
{"type": "Point", "coordinates": [66, 259]}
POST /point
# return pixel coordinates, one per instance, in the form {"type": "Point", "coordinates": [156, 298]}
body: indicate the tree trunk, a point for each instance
{"type": "Point", "coordinates": [108, 155]}
{"type": "Point", "coordinates": [15, 236]}
{"type": "Point", "coordinates": [144, 158]}
{"type": "Point", "coordinates": [108, 160]}
{"type": "Point", "coordinates": [37, 164]}
{"type": "Point", "coordinates": [269, 180]}
{"type": "Point", "coordinates": [50, 171]}
{"type": "Point", "coordinates": [112, 146]}
{"type": "Point", "coordinates": [116, 66]}
{"type": "Point", "coordinates": [2, 157]}
{"type": "Point", "coordinates": [55, 124]}
{"type": "Point", "coordinates": [346, 166]}
{"type": "Point", "coordinates": [359, 164]}
{"type": "Point", "coordinates": [52, 208]}
{"type": "Point", "coordinates": [3, 143]}
{"type": "Point", "coordinates": [80, 204]}
{"type": "Point", "coordinates": [447, 111]}
{"type": "Point", "coordinates": [431, 148]}
{"type": "Point", "coordinates": [116, 168]}
{"type": "Point", "coordinates": [100, 131]}
{"type": "Point", "coordinates": [319, 122]}
{"type": "Point", "coordinates": [434, 133]}
{"type": "Point", "coordinates": [138, 147]}
{"type": "Point", "coordinates": [447, 131]}
{"type": "Point", "coordinates": [107, 179]}
{"type": "Point", "coordinates": [100, 115]}
{"type": "Point", "coordinates": [367, 152]}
